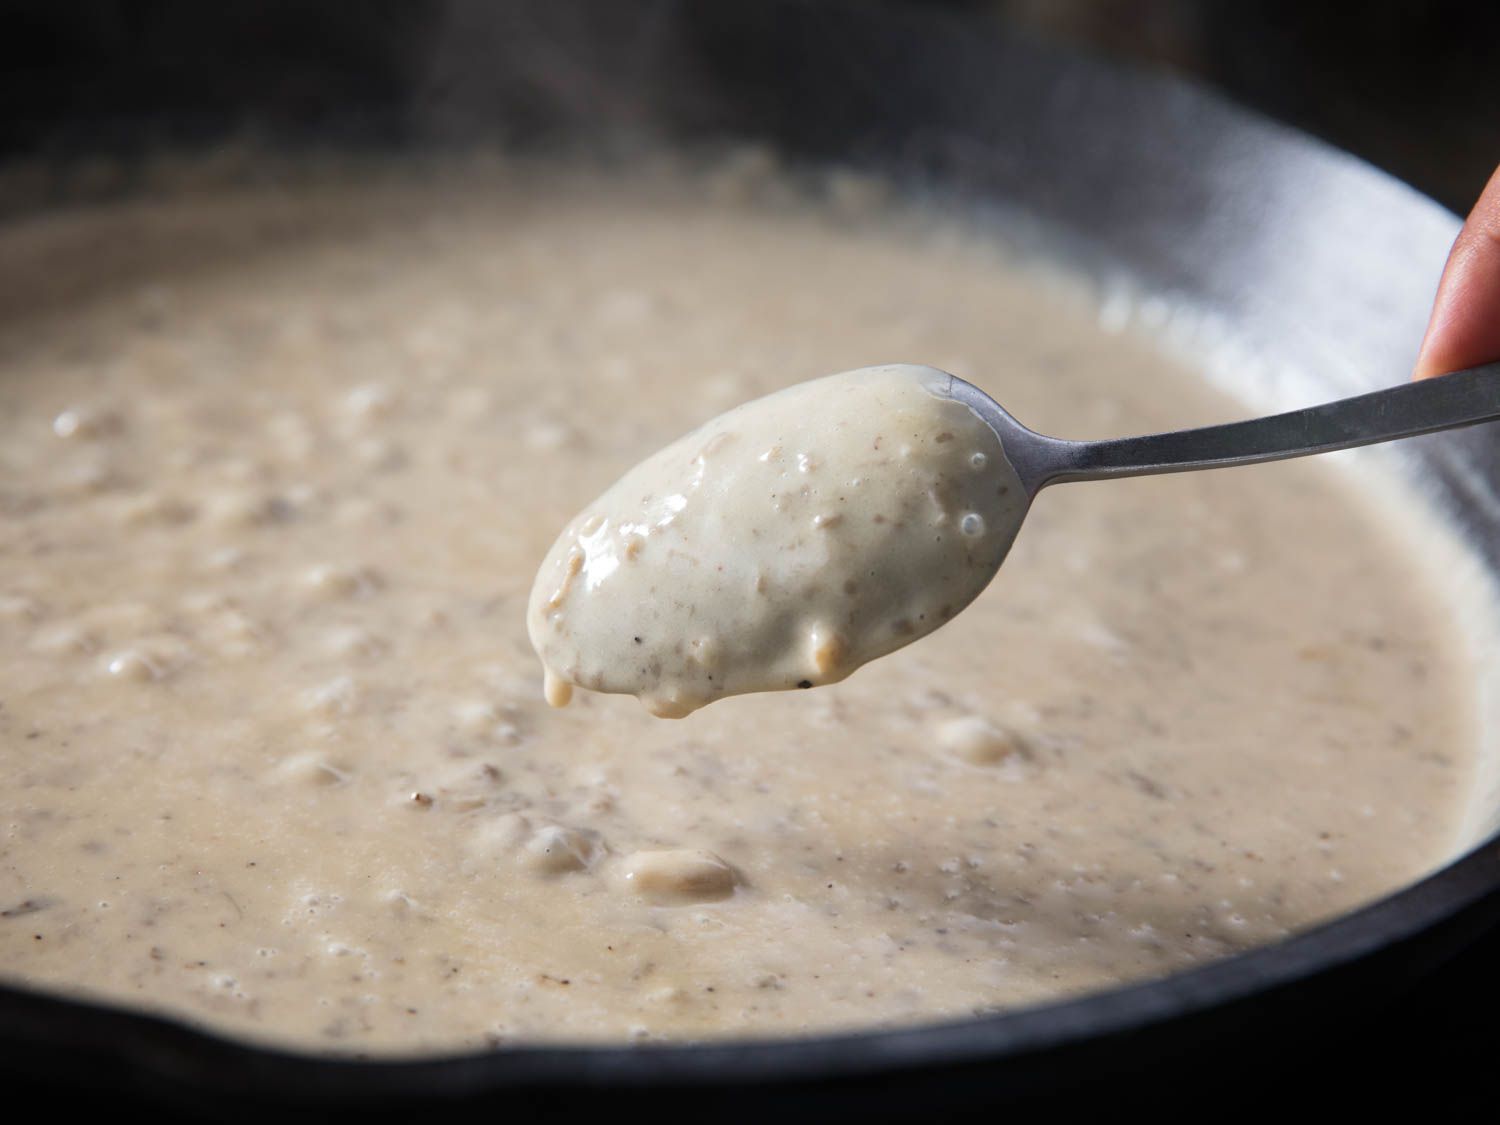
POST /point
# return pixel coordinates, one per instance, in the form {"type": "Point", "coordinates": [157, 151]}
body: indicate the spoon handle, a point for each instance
{"type": "Point", "coordinates": [1461, 399]}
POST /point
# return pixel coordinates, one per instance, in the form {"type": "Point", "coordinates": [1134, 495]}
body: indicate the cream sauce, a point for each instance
{"type": "Point", "coordinates": [781, 545]}
{"type": "Point", "coordinates": [276, 471]}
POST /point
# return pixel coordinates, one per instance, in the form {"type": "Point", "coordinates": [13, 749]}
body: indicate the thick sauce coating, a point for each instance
{"type": "Point", "coordinates": [781, 545]}
{"type": "Point", "coordinates": [276, 471]}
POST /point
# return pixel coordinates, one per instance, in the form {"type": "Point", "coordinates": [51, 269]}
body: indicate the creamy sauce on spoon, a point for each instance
{"type": "Point", "coordinates": [781, 545]}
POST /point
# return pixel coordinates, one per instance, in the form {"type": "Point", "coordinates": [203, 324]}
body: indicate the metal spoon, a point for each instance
{"type": "Point", "coordinates": [1463, 398]}
{"type": "Point", "coordinates": [680, 547]}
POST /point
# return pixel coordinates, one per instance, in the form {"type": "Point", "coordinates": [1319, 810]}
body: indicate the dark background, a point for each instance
{"type": "Point", "coordinates": [1411, 86]}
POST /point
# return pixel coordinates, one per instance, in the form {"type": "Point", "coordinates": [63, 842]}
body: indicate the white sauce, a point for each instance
{"type": "Point", "coordinates": [781, 545]}
{"type": "Point", "coordinates": [276, 470]}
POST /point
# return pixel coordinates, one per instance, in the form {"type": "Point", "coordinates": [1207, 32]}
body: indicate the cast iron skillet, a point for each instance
{"type": "Point", "coordinates": [1316, 262]}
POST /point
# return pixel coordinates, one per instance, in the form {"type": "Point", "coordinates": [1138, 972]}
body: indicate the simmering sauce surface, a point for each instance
{"type": "Point", "coordinates": [277, 469]}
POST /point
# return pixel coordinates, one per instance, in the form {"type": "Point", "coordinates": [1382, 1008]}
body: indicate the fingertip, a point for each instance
{"type": "Point", "coordinates": [1464, 329]}
{"type": "Point", "coordinates": [1426, 366]}
{"type": "Point", "coordinates": [1435, 355]}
